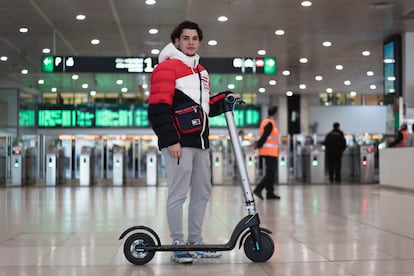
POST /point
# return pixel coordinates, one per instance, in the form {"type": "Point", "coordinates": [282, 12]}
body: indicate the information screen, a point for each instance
{"type": "Point", "coordinates": [101, 116]}
{"type": "Point", "coordinates": [27, 118]}
{"type": "Point", "coordinates": [73, 64]}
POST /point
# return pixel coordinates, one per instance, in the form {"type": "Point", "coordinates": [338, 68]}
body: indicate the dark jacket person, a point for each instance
{"type": "Point", "coordinates": [335, 145]}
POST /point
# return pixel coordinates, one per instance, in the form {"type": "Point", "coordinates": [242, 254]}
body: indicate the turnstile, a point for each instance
{"type": "Point", "coordinates": [217, 166]}
{"type": "Point", "coordinates": [364, 164]}
{"type": "Point", "coordinates": [17, 168]}
{"type": "Point", "coordinates": [3, 161]}
{"type": "Point", "coordinates": [152, 166]}
{"type": "Point", "coordinates": [54, 166]}
{"type": "Point", "coordinates": [314, 163]}
{"type": "Point", "coordinates": [30, 169]}
{"type": "Point", "coordinates": [87, 166]}
{"type": "Point", "coordinates": [283, 160]}
{"type": "Point", "coordinates": [119, 166]}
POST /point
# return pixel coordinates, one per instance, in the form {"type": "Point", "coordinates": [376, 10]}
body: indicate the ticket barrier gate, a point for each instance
{"type": "Point", "coordinates": [17, 166]}
{"type": "Point", "coordinates": [314, 164]}
{"type": "Point", "coordinates": [152, 166]}
{"type": "Point", "coordinates": [217, 167]}
{"type": "Point", "coordinates": [3, 165]}
{"type": "Point", "coordinates": [119, 166]}
{"type": "Point", "coordinates": [54, 166]}
{"type": "Point", "coordinates": [87, 166]}
{"type": "Point", "coordinates": [364, 164]}
{"type": "Point", "coordinates": [249, 158]}
{"type": "Point", "coordinates": [30, 166]}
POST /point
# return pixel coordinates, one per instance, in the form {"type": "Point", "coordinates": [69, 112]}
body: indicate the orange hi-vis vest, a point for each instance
{"type": "Point", "coordinates": [403, 143]}
{"type": "Point", "coordinates": [271, 145]}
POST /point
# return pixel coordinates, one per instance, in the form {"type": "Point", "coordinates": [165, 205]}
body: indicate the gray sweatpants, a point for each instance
{"type": "Point", "coordinates": [193, 173]}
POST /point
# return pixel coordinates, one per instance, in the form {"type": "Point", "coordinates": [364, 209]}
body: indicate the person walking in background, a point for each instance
{"type": "Point", "coordinates": [335, 144]}
{"type": "Point", "coordinates": [178, 84]}
{"type": "Point", "coordinates": [402, 136]}
{"type": "Point", "coordinates": [268, 145]}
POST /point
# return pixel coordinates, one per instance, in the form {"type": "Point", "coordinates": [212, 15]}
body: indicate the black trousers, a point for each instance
{"type": "Point", "coordinates": [268, 180]}
{"type": "Point", "coordinates": [334, 166]}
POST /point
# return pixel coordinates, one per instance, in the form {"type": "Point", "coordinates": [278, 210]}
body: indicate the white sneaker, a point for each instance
{"type": "Point", "coordinates": [181, 257]}
{"type": "Point", "coordinates": [205, 254]}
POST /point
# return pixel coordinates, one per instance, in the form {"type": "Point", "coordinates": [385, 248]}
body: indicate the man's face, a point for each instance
{"type": "Point", "coordinates": [188, 42]}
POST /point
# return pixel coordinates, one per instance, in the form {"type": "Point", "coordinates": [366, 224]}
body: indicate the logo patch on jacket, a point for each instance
{"type": "Point", "coordinates": [196, 122]}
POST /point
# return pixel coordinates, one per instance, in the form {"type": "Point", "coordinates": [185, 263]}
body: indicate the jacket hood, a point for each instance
{"type": "Point", "coordinates": [171, 52]}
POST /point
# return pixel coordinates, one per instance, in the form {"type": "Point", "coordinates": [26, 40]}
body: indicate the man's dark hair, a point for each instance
{"type": "Point", "coordinates": [186, 25]}
{"type": "Point", "coordinates": [271, 110]}
{"type": "Point", "coordinates": [336, 125]}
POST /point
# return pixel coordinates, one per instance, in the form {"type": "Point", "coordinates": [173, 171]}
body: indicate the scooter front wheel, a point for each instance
{"type": "Point", "coordinates": [134, 248]}
{"type": "Point", "coordinates": [264, 253]}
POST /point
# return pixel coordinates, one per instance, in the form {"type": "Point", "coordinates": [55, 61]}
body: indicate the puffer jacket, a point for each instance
{"type": "Point", "coordinates": [177, 80]}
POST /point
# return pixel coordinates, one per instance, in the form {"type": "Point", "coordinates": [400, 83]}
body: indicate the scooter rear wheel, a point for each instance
{"type": "Point", "coordinates": [265, 252]}
{"type": "Point", "coordinates": [134, 248]}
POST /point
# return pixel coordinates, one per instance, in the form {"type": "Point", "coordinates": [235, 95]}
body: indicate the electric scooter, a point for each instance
{"type": "Point", "coordinates": [143, 242]}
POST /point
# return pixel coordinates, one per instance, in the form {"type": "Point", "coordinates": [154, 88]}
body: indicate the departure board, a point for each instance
{"type": "Point", "coordinates": [141, 117]}
{"type": "Point", "coordinates": [27, 118]}
{"type": "Point", "coordinates": [113, 117]}
{"type": "Point", "coordinates": [85, 116]}
{"type": "Point", "coordinates": [56, 117]}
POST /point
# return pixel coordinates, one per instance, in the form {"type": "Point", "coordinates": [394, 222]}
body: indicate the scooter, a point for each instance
{"type": "Point", "coordinates": [143, 242]}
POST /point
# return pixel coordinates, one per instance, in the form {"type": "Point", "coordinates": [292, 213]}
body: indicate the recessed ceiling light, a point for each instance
{"type": "Point", "coordinates": [329, 90]}
{"type": "Point", "coordinates": [85, 85]}
{"type": "Point", "coordinates": [212, 42]}
{"type": "Point", "coordinates": [239, 78]}
{"type": "Point", "coordinates": [46, 51]}
{"type": "Point", "coordinates": [285, 72]}
{"type": "Point", "coordinates": [339, 67]}
{"type": "Point", "coordinates": [222, 18]}
{"type": "Point", "coordinates": [306, 3]}
{"type": "Point", "coordinates": [327, 44]}
{"type": "Point", "coordinates": [302, 86]}
{"type": "Point", "coordinates": [272, 82]}
{"type": "Point", "coordinates": [80, 17]}
{"type": "Point", "coordinates": [75, 77]}
{"type": "Point", "coordinates": [370, 73]}
{"type": "Point", "coordinates": [303, 60]}
{"type": "Point", "coordinates": [150, 2]}
{"type": "Point", "coordinates": [119, 81]}
{"type": "Point", "coordinates": [95, 41]}
{"type": "Point", "coordinates": [279, 32]}
{"type": "Point", "coordinates": [92, 93]}
{"type": "Point", "coordinates": [261, 52]}
{"type": "Point", "coordinates": [366, 53]}
{"type": "Point", "coordinates": [318, 78]}
{"type": "Point", "coordinates": [124, 89]}
{"type": "Point", "coordinates": [373, 86]}
{"type": "Point", "coordinates": [4, 58]}
{"type": "Point", "coordinates": [54, 89]}
{"type": "Point", "coordinates": [231, 86]}
{"type": "Point", "coordinates": [289, 93]}
{"type": "Point", "coordinates": [155, 51]}
{"type": "Point", "coordinates": [352, 93]}
{"type": "Point", "coordinates": [23, 29]}
{"type": "Point", "coordinates": [153, 31]}
{"type": "Point", "coordinates": [347, 82]}
{"type": "Point", "coordinates": [24, 71]}
{"type": "Point", "coordinates": [41, 81]}
{"type": "Point", "coordinates": [262, 90]}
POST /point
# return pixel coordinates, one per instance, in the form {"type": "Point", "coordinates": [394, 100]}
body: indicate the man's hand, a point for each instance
{"type": "Point", "coordinates": [175, 150]}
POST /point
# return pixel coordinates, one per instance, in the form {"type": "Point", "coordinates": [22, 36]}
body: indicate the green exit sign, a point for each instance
{"type": "Point", "coordinates": [270, 66]}
{"type": "Point", "coordinates": [47, 64]}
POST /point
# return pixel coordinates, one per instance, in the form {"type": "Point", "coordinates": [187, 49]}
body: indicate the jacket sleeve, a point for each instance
{"type": "Point", "coordinates": [266, 133]}
{"type": "Point", "coordinates": [160, 102]}
{"type": "Point", "coordinates": [217, 103]}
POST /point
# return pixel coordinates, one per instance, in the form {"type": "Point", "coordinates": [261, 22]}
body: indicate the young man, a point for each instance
{"type": "Point", "coordinates": [335, 145]}
{"type": "Point", "coordinates": [179, 80]}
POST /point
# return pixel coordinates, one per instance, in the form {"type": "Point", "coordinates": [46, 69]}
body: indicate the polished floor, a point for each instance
{"type": "Point", "coordinates": [345, 229]}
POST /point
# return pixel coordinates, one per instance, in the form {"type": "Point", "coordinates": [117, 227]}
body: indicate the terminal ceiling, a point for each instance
{"type": "Point", "coordinates": [122, 26]}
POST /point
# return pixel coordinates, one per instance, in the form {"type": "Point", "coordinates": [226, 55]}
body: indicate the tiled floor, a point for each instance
{"type": "Point", "coordinates": [343, 229]}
